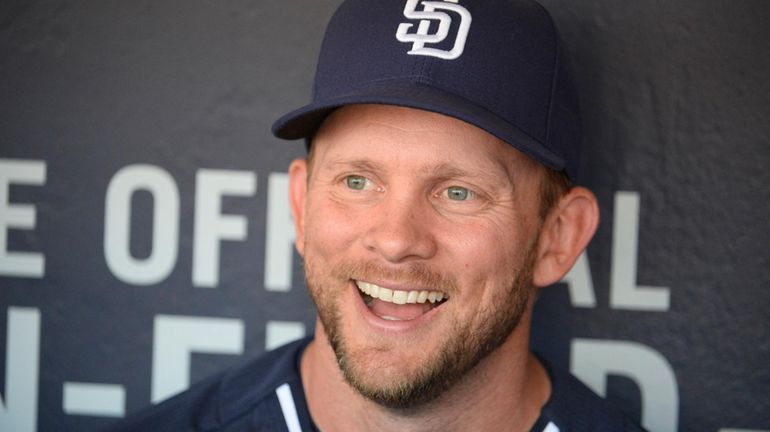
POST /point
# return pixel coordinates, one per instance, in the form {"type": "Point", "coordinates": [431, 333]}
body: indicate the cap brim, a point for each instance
{"type": "Point", "coordinates": [303, 122]}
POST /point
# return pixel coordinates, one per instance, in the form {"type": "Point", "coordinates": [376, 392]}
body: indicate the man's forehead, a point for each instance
{"type": "Point", "coordinates": [460, 147]}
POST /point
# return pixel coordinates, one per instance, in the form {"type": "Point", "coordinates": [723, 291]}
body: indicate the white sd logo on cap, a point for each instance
{"type": "Point", "coordinates": [421, 37]}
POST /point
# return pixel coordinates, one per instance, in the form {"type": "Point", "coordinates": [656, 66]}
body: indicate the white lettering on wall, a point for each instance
{"type": "Point", "coordinates": [176, 337]}
{"type": "Point", "coordinates": [211, 226]}
{"type": "Point", "coordinates": [624, 293]}
{"type": "Point", "coordinates": [593, 360]}
{"type": "Point", "coordinates": [94, 399]}
{"type": "Point", "coordinates": [20, 216]}
{"type": "Point", "coordinates": [279, 247]}
{"type": "Point", "coordinates": [279, 333]}
{"type": "Point", "coordinates": [165, 224]}
{"type": "Point", "coordinates": [18, 412]}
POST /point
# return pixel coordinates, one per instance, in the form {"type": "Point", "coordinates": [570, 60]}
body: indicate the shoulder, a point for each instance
{"type": "Point", "coordinates": [227, 398]}
{"type": "Point", "coordinates": [574, 407]}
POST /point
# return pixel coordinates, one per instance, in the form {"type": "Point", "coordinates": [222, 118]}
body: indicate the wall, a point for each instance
{"type": "Point", "coordinates": [145, 241]}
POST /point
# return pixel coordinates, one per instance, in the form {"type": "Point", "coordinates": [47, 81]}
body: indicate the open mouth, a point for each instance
{"type": "Point", "coordinates": [399, 305]}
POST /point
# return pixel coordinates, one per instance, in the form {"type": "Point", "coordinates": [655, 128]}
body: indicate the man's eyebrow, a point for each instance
{"type": "Point", "coordinates": [358, 164]}
{"type": "Point", "coordinates": [446, 170]}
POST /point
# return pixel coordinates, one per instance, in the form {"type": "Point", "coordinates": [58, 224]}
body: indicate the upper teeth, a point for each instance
{"type": "Point", "coordinates": [399, 296]}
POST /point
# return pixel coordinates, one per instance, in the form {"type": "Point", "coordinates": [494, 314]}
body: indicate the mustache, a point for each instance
{"type": "Point", "coordinates": [417, 274]}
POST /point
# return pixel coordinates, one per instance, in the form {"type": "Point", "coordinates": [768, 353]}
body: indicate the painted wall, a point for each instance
{"type": "Point", "coordinates": [145, 240]}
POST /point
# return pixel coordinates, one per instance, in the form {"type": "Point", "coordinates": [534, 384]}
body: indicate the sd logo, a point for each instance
{"type": "Point", "coordinates": [428, 14]}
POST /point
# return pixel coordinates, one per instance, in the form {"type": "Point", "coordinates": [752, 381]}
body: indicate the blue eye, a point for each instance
{"type": "Point", "coordinates": [457, 193]}
{"type": "Point", "coordinates": [356, 182]}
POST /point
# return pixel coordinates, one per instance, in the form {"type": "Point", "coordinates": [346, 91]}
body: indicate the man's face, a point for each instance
{"type": "Point", "coordinates": [437, 221]}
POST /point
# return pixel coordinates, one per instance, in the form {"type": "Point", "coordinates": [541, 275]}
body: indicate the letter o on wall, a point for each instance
{"type": "Point", "coordinates": [165, 224]}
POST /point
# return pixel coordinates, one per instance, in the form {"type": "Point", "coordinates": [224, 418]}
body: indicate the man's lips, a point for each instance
{"type": "Point", "coordinates": [399, 305]}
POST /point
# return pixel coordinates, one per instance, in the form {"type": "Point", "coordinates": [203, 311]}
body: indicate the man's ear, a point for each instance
{"type": "Point", "coordinates": [566, 231]}
{"type": "Point", "coordinates": [297, 195]}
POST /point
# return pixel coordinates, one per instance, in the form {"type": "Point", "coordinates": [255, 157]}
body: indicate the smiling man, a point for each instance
{"type": "Point", "coordinates": [423, 242]}
{"type": "Point", "coordinates": [436, 200]}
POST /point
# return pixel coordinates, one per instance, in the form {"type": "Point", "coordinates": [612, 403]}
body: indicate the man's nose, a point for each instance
{"type": "Point", "coordinates": [400, 229]}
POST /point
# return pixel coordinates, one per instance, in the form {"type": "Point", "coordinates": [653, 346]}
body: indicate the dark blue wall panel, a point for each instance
{"type": "Point", "coordinates": [667, 315]}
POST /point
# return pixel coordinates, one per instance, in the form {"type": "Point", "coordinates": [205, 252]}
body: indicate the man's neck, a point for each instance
{"type": "Point", "coordinates": [505, 391]}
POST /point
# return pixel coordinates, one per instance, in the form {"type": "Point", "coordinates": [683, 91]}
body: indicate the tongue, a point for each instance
{"type": "Point", "coordinates": [407, 311]}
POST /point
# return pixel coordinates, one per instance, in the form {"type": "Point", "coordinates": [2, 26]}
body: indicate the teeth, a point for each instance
{"type": "Point", "coordinates": [422, 297]}
{"type": "Point", "coordinates": [386, 294]}
{"type": "Point", "coordinates": [399, 296]}
{"type": "Point", "coordinates": [412, 297]}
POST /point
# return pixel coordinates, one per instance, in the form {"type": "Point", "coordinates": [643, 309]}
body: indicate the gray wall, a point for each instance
{"type": "Point", "coordinates": [96, 98]}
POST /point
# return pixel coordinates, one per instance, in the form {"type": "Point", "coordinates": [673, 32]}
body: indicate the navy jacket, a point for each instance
{"type": "Point", "coordinates": [266, 395]}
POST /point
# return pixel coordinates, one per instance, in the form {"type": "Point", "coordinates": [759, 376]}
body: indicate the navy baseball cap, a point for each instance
{"type": "Point", "coordinates": [496, 64]}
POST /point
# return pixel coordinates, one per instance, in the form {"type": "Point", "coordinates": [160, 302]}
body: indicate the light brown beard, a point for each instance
{"type": "Point", "coordinates": [465, 347]}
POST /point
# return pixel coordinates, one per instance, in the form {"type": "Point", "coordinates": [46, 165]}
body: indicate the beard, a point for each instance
{"type": "Point", "coordinates": [464, 345]}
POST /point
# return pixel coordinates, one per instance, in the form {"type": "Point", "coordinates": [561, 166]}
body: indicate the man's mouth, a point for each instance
{"type": "Point", "coordinates": [399, 305]}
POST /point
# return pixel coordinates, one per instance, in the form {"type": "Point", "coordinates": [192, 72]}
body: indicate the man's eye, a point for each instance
{"type": "Point", "coordinates": [356, 182]}
{"type": "Point", "coordinates": [457, 193]}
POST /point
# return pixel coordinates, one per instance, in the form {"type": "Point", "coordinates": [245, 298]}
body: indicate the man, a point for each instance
{"type": "Point", "coordinates": [436, 200]}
